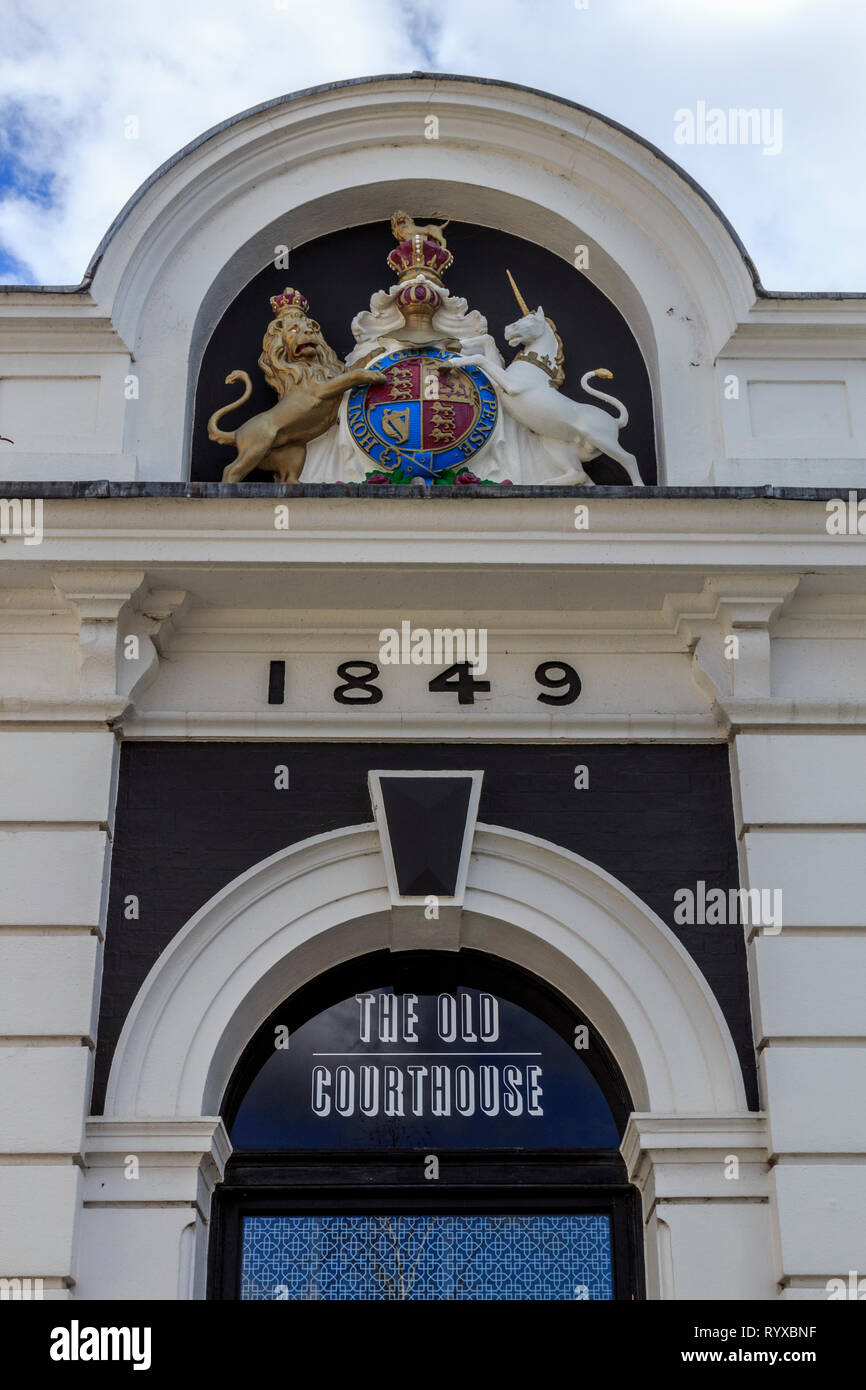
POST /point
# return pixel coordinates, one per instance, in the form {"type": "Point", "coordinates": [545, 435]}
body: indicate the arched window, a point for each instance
{"type": "Point", "coordinates": [426, 1126]}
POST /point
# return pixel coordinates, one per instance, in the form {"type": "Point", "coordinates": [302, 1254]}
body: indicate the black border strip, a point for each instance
{"type": "Point", "coordinates": [105, 489]}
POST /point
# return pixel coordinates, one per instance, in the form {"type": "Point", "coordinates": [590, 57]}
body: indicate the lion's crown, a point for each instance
{"type": "Point", "coordinates": [289, 299]}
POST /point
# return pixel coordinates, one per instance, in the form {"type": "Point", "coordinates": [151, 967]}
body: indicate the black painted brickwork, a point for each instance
{"type": "Point", "coordinates": [192, 816]}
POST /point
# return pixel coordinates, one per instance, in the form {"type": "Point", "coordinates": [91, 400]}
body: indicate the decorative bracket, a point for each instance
{"type": "Point", "coordinates": [99, 598]}
{"type": "Point", "coordinates": [728, 629]}
{"type": "Point", "coordinates": [151, 624]}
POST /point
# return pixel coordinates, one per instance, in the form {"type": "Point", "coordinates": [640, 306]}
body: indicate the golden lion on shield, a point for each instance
{"type": "Point", "coordinates": [309, 379]}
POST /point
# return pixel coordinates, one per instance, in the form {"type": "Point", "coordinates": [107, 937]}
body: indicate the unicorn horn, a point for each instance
{"type": "Point", "coordinates": [517, 295]}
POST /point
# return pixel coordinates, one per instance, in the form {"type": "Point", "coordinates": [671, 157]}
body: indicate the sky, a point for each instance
{"type": "Point", "coordinates": [76, 80]}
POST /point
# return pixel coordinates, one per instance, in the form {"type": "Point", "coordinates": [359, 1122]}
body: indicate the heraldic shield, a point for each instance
{"type": "Point", "coordinates": [426, 417]}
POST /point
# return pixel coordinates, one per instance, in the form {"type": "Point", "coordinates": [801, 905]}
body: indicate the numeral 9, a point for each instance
{"type": "Point", "coordinates": [568, 682]}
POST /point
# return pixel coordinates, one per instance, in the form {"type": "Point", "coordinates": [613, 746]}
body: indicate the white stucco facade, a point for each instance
{"type": "Point", "coordinates": [644, 600]}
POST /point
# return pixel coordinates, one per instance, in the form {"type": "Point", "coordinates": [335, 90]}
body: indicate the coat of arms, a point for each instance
{"type": "Point", "coordinates": [426, 419]}
{"type": "Point", "coordinates": [424, 396]}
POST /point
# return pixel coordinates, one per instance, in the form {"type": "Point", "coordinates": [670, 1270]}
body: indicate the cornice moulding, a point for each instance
{"type": "Point", "coordinates": [63, 713]}
{"type": "Point", "coordinates": [711, 535]}
{"type": "Point", "coordinates": [424, 728]}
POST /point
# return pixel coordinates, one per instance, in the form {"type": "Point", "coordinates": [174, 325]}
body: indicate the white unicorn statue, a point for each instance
{"type": "Point", "coordinates": [525, 385]}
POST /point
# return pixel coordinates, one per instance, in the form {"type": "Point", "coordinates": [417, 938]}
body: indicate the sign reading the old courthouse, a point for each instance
{"type": "Point", "coordinates": [406, 1086]}
{"type": "Point", "coordinates": [400, 1068]}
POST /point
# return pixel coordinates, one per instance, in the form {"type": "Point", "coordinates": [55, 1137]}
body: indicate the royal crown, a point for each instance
{"type": "Point", "coordinates": [417, 255]}
{"type": "Point", "coordinates": [289, 299]}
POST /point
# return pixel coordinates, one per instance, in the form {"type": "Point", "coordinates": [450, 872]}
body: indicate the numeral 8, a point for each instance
{"type": "Point", "coordinates": [356, 674]}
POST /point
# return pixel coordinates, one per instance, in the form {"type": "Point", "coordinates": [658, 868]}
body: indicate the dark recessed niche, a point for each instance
{"type": "Point", "coordinates": [338, 274]}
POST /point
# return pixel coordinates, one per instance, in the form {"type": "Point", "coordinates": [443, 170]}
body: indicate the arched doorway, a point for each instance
{"type": "Point", "coordinates": [324, 902]}
{"type": "Point", "coordinates": [426, 1126]}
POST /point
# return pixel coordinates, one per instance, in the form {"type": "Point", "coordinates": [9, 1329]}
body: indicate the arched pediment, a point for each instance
{"type": "Point", "coordinates": [504, 157]}
{"type": "Point", "coordinates": [324, 901]}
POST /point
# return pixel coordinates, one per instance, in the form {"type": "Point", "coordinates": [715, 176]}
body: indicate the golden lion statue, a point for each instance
{"type": "Point", "coordinates": [404, 229]}
{"type": "Point", "coordinates": [309, 379]}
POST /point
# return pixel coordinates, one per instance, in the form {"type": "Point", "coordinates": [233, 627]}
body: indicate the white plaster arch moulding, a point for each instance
{"type": "Point", "coordinates": [325, 901]}
{"type": "Point", "coordinates": [305, 165]}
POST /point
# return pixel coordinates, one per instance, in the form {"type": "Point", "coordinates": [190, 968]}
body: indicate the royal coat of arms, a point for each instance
{"type": "Point", "coordinates": [426, 419]}
{"type": "Point", "coordinates": [424, 396]}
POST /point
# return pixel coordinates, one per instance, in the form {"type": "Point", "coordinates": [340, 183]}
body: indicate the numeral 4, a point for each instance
{"type": "Point", "coordinates": [458, 680]}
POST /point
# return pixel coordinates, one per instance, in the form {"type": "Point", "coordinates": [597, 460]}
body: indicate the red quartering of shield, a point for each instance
{"type": "Point", "coordinates": [403, 384]}
{"type": "Point", "coordinates": [446, 418]}
{"type": "Point", "coordinates": [443, 422]}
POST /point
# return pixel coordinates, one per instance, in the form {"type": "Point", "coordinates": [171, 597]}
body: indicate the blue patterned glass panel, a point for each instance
{"type": "Point", "coordinates": [481, 1258]}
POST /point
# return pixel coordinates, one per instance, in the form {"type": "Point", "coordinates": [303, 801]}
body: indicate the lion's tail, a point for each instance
{"type": "Point", "coordinates": [213, 430]}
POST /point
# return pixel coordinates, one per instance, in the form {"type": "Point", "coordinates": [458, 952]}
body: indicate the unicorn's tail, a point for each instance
{"type": "Point", "coordinates": [622, 418]}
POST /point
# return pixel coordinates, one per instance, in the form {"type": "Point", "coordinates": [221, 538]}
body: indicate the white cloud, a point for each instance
{"type": "Point", "coordinates": [76, 73]}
